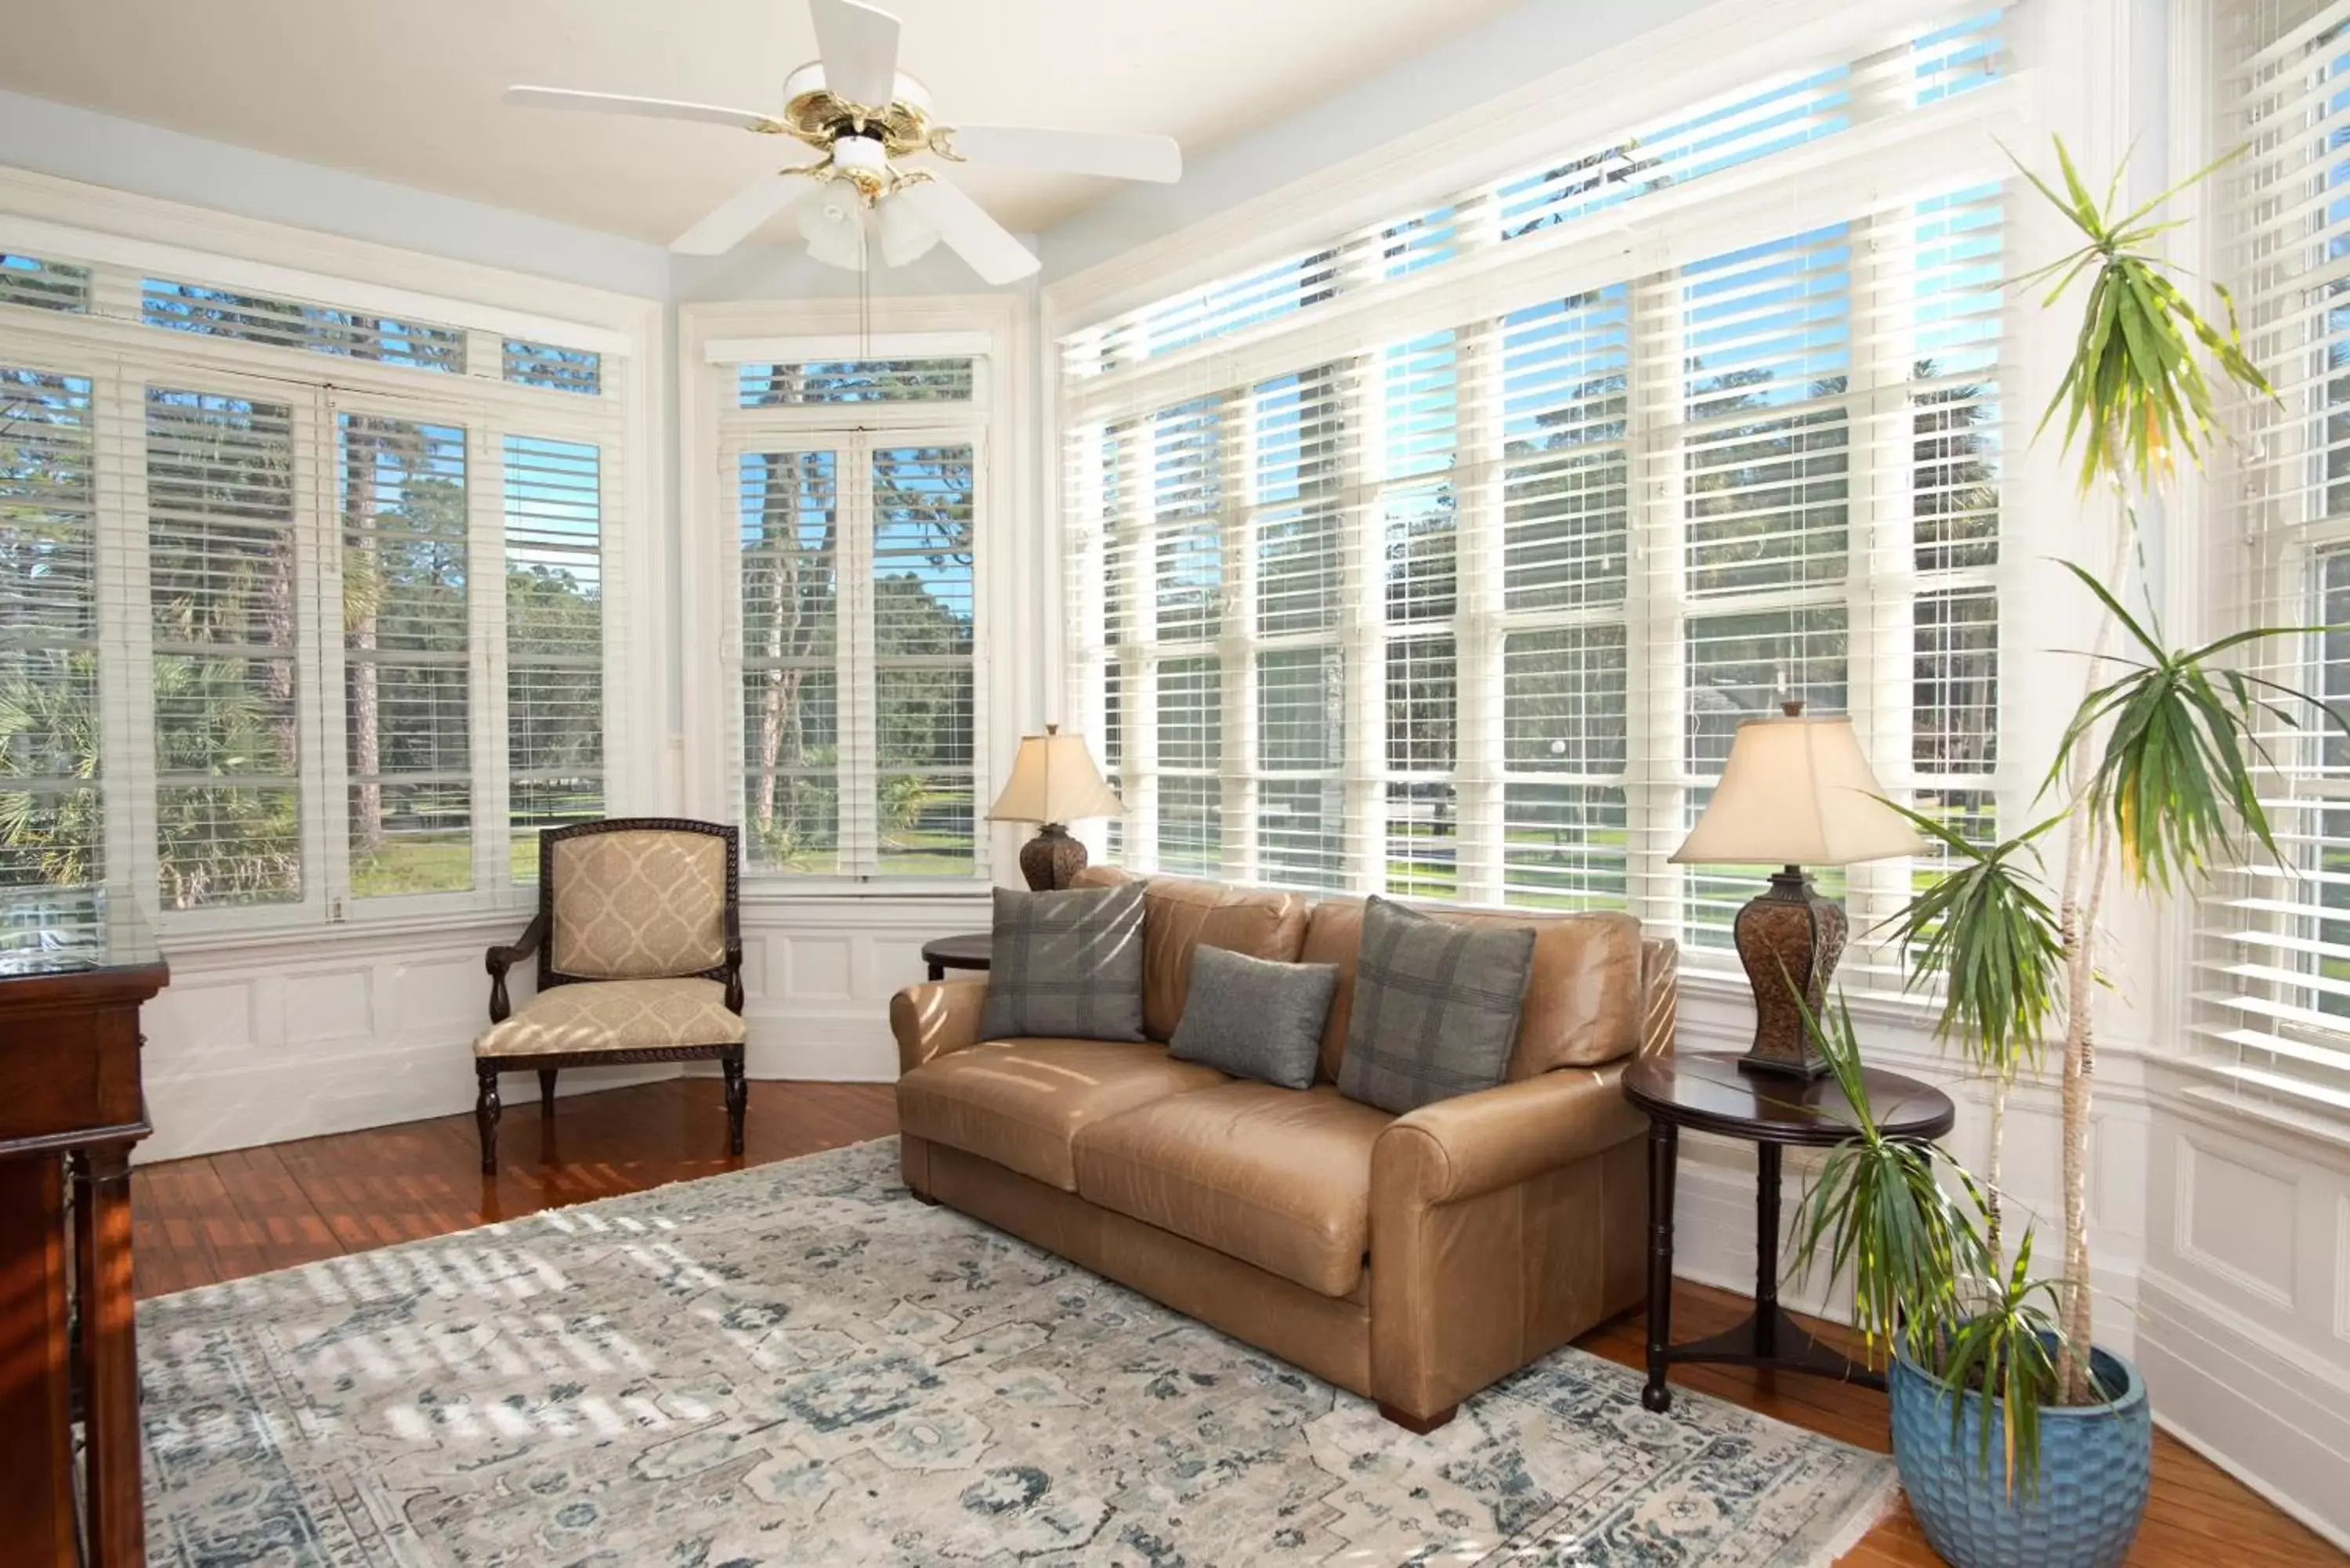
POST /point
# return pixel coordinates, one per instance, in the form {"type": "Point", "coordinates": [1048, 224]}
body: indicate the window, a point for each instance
{"type": "Point", "coordinates": [1458, 591]}
{"type": "Point", "coordinates": [857, 555]}
{"type": "Point", "coordinates": [2272, 974]}
{"type": "Point", "coordinates": [275, 650]}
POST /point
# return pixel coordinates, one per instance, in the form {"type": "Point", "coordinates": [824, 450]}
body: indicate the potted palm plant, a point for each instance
{"type": "Point", "coordinates": [2019, 1439]}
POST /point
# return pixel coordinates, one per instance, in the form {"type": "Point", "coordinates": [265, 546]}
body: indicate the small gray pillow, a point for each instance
{"type": "Point", "coordinates": [1436, 1008]}
{"type": "Point", "coordinates": [1254, 1018]}
{"type": "Point", "coordinates": [1066, 964]}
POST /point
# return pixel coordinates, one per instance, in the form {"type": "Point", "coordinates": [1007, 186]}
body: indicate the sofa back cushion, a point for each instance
{"type": "Point", "coordinates": [1179, 916]}
{"type": "Point", "coordinates": [1583, 1003]}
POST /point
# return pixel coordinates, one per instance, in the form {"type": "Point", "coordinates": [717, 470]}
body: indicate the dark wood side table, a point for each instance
{"type": "Point", "coordinates": [74, 969]}
{"type": "Point", "coordinates": [1707, 1091]}
{"type": "Point", "coordinates": [975, 950]}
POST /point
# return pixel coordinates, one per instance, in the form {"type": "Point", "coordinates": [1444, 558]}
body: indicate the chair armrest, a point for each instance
{"type": "Point", "coordinates": [1480, 1143]}
{"type": "Point", "coordinates": [500, 959]}
{"type": "Point", "coordinates": [935, 1018]}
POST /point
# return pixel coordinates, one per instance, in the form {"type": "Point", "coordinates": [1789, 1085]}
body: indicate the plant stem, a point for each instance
{"type": "Point", "coordinates": [2003, 1080]}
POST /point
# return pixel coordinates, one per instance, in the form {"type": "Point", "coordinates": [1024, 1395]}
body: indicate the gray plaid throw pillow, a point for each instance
{"type": "Point", "coordinates": [1436, 1008]}
{"type": "Point", "coordinates": [1067, 964]}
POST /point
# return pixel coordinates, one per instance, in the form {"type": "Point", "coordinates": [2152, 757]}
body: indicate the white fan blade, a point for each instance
{"type": "Point", "coordinates": [969, 232]}
{"type": "Point", "coordinates": [1121, 156]}
{"type": "Point", "coordinates": [859, 46]}
{"type": "Point", "coordinates": [730, 222]}
{"type": "Point", "coordinates": [648, 108]}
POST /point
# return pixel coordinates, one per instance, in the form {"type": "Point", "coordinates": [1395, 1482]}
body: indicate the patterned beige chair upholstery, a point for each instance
{"type": "Point", "coordinates": [640, 952]}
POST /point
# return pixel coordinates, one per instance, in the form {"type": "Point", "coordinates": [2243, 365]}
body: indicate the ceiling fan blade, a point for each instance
{"type": "Point", "coordinates": [1118, 154]}
{"type": "Point", "coordinates": [969, 232]}
{"type": "Point", "coordinates": [646, 108]}
{"type": "Point", "coordinates": [859, 46]}
{"type": "Point", "coordinates": [733, 220]}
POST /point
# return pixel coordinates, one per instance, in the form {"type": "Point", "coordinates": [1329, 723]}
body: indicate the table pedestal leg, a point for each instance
{"type": "Point", "coordinates": [1664, 1145]}
{"type": "Point", "coordinates": [1766, 1249]}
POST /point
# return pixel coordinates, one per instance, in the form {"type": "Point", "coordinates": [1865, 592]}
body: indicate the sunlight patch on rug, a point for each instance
{"type": "Point", "coordinates": [799, 1363]}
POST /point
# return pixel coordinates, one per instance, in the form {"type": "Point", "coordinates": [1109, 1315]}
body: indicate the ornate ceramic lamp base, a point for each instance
{"type": "Point", "coordinates": [1051, 859]}
{"type": "Point", "coordinates": [1789, 939]}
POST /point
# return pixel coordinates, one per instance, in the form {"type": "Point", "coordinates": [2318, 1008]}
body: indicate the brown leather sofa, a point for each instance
{"type": "Point", "coordinates": [1411, 1259]}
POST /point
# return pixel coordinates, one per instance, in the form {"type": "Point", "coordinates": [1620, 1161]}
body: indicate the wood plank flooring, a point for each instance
{"type": "Point", "coordinates": [202, 1221]}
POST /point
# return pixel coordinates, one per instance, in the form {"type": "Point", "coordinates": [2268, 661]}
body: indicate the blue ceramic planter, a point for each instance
{"type": "Point", "coordinates": [2096, 1464]}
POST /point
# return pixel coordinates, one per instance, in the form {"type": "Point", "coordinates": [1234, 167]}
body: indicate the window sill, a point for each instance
{"type": "Point", "coordinates": [402, 931]}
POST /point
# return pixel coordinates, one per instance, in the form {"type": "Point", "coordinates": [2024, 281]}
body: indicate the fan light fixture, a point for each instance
{"type": "Point", "coordinates": [855, 106]}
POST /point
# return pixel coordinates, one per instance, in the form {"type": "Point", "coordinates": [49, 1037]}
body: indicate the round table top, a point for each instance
{"type": "Point", "coordinates": [973, 951]}
{"type": "Point", "coordinates": [1707, 1090]}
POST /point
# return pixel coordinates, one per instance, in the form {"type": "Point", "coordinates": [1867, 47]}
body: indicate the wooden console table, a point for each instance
{"type": "Point", "coordinates": [74, 969]}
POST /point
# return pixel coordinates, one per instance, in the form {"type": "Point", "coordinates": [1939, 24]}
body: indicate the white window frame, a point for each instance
{"type": "Point", "coordinates": [1009, 674]}
{"type": "Point", "coordinates": [122, 356]}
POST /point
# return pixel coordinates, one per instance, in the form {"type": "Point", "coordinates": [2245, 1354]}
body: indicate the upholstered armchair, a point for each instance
{"type": "Point", "coordinates": [640, 950]}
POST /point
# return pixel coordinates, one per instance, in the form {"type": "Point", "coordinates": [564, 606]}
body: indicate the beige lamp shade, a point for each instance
{"type": "Point", "coordinates": [1797, 791]}
{"type": "Point", "coordinates": [1054, 780]}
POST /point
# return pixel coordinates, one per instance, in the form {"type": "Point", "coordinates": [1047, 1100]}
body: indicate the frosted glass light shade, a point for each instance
{"type": "Point", "coordinates": [832, 221]}
{"type": "Point", "coordinates": [1054, 780]}
{"type": "Point", "coordinates": [1797, 791]}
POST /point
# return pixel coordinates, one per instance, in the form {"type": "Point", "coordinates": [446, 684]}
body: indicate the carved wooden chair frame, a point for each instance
{"type": "Point", "coordinates": [537, 939]}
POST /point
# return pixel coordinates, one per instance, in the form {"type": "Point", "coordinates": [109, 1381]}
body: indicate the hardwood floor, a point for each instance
{"type": "Point", "coordinates": [199, 1222]}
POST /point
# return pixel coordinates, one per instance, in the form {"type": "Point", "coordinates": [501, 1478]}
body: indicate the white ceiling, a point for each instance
{"type": "Point", "coordinates": [408, 90]}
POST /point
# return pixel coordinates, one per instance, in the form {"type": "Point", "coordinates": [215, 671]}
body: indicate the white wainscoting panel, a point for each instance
{"type": "Point", "coordinates": [2244, 1330]}
{"type": "Point", "coordinates": [819, 973]}
{"type": "Point", "coordinates": [258, 1041]}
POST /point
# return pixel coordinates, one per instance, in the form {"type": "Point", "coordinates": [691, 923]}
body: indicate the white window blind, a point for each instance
{"type": "Point", "coordinates": [857, 553]}
{"type": "Point", "coordinates": [1461, 592]}
{"type": "Point", "coordinates": [2272, 979]}
{"type": "Point", "coordinates": [52, 752]}
{"type": "Point", "coordinates": [283, 642]}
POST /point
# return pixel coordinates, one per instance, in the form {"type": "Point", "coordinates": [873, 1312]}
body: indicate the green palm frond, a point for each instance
{"type": "Point", "coordinates": [2135, 394]}
{"type": "Point", "coordinates": [1986, 931]}
{"type": "Point", "coordinates": [1879, 1214]}
{"type": "Point", "coordinates": [2176, 771]}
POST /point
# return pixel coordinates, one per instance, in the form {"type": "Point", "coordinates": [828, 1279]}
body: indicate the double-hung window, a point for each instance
{"type": "Point", "coordinates": [1442, 560]}
{"type": "Point", "coordinates": [2272, 980]}
{"type": "Point", "coordinates": [855, 489]}
{"type": "Point", "coordinates": [304, 609]}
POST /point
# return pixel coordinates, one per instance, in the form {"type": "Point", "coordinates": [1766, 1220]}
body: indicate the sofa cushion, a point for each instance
{"type": "Point", "coordinates": [1583, 1003]}
{"type": "Point", "coordinates": [1021, 1103]}
{"type": "Point", "coordinates": [1067, 965]}
{"type": "Point", "coordinates": [1277, 1178]}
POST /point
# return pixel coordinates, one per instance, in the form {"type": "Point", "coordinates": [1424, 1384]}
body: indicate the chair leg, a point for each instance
{"type": "Point", "coordinates": [485, 1117]}
{"type": "Point", "coordinates": [547, 1091]}
{"type": "Point", "coordinates": [738, 1098]}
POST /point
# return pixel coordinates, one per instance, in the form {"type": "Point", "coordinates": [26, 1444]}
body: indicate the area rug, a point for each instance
{"type": "Point", "coordinates": [799, 1363]}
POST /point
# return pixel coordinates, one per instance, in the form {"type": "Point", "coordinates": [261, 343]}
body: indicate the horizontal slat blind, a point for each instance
{"type": "Point", "coordinates": [789, 507]}
{"type": "Point", "coordinates": [1741, 129]}
{"type": "Point", "coordinates": [2273, 974]}
{"type": "Point", "coordinates": [555, 612]}
{"type": "Point", "coordinates": [820, 382]}
{"type": "Point", "coordinates": [295, 324]}
{"type": "Point", "coordinates": [52, 813]}
{"type": "Point", "coordinates": [922, 651]}
{"type": "Point", "coordinates": [557, 369]}
{"type": "Point", "coordinates": [408, 655]}
{"type": "Point", "coordinates": [221, 583]}
{"type": "Point", "coordinates": [43, 285]}
{"type": "Point", "coordinates": [1473, 614]}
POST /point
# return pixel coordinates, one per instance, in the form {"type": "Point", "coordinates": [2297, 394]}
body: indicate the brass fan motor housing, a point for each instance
{"type": "Point", "coordinates": [815, 115]}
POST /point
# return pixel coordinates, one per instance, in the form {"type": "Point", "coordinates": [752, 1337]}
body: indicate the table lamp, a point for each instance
{"type": "Point", "coordinates": [1797, 791]}
{"type": "Point", "coordinates": [1054, 782]}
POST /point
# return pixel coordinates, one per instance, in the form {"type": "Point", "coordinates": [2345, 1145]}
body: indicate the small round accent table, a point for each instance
{"type": "Point", "coordinates": [1708, 1092]}
{"type": "Point", "coordinates": [972, 951]}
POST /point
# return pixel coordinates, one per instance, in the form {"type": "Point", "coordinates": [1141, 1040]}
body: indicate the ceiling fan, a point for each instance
{"type": "Point", "coordinates": [865, 115]}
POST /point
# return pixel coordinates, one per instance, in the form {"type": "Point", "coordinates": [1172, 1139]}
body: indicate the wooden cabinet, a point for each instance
{"type": "Point", "coordinates": [74, 969]}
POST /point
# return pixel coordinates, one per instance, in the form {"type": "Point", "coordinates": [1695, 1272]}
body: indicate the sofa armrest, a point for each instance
{"type": "Point", "coordinates": [1480, 1143]}
{"type": "Point", "coordinates": [934, 1018]}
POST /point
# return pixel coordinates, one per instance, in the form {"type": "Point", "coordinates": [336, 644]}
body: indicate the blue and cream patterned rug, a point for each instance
{"type": "Point", "coordinates": [798, 1363]}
